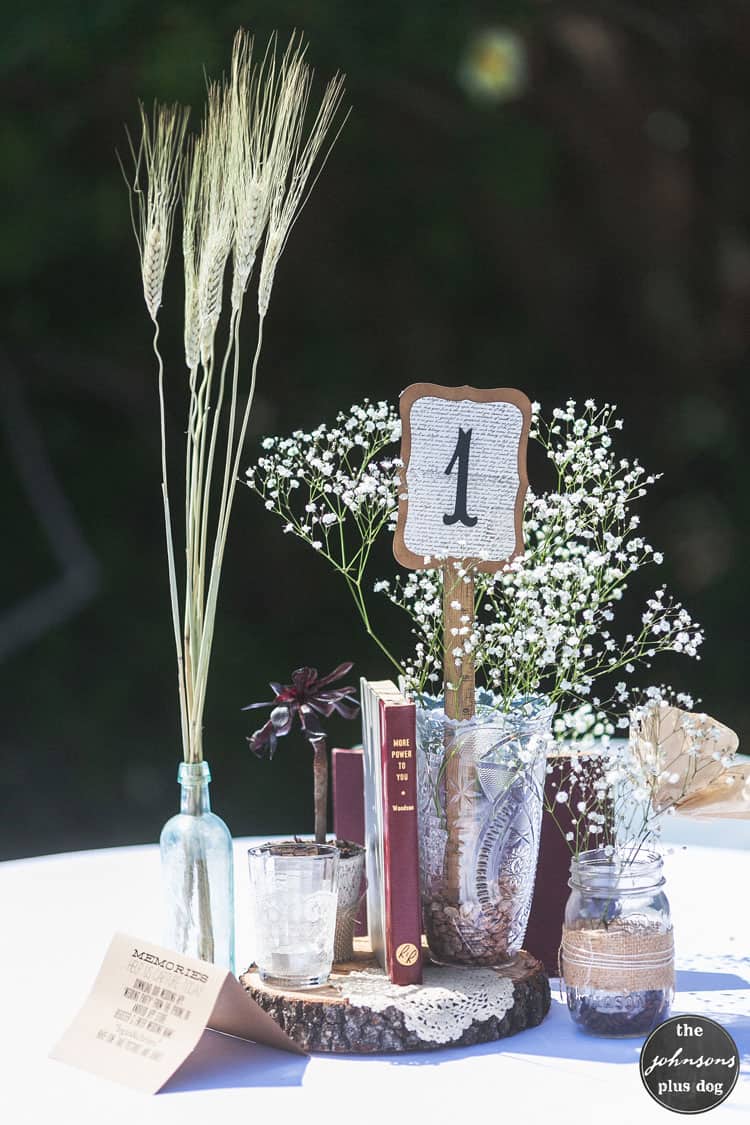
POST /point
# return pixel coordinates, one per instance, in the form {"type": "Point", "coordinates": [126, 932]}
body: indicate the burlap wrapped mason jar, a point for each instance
{"type": "Point", "coordinates": [617, 952]}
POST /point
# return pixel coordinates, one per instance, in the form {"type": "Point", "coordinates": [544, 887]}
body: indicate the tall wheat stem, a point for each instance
{"type": "Point", "coordinates": [232, 465]}
{"type": "Point", "coordinates": [199, 464]}
{"type": "Point", "coordinates": [170, 550]}
{"type": "Point", "coordinates": [232, 344]}
{"type": "Point", "coordinates": [193, 610]}
{"type": "Point", "coordinates": [190, 628]}
{"type": "Point", "coordinates": [243, 429]}
{"type": "Point", "coordinates": [233, 409]}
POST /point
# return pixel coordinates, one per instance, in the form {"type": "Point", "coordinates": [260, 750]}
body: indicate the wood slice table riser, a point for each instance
{"type": "Point", "coordinates": [322, 1020]}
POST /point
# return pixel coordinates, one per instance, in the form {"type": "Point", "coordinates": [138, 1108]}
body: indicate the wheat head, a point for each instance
{"type": "Point", "coordinates": [216, 217]}
{"type": "Point", "coordinates": [293, 157]}
{"type": "Point", "coordinates": [158, 160]}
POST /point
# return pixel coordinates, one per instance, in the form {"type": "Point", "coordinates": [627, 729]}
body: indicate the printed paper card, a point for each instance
{"type": "Point", "coordinates": [149, 1007]}
{"type": "Point", "coordinates": [464, 475]}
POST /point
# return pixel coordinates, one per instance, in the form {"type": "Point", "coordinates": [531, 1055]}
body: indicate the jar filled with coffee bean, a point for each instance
{"type": "Point", "coordinates": [617, 953]}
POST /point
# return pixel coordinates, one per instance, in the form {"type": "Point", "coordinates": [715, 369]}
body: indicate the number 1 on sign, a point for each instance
{"type": "Point", "coordinates": [461, 455]}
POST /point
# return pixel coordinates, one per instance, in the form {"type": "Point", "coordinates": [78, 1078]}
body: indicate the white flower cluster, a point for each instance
{"type": "Point", "coordinates": [334, 490]}
{"type": "Point", "coordinates": [316, 481]}
{"type": "Point", "coordinates": [543, 623]}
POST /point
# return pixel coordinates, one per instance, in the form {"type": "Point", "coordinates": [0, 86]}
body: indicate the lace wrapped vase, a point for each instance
{"type": "Point", "coordinates": [481, 786]}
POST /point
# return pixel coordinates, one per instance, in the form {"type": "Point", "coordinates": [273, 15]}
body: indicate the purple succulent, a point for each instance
{"type": "Point", "coordinates": [308, 698]}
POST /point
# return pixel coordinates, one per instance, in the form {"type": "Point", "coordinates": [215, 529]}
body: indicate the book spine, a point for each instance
{"type": "Point", "coordinates": [403, 912]}
{"type": "Point", "coordinates": [349, 807]}
{"type": "Point", "coordinates": [373, 820]}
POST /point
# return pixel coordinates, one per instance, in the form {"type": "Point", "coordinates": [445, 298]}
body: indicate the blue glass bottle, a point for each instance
{"type": "Point", "coordinates": [197, 872]}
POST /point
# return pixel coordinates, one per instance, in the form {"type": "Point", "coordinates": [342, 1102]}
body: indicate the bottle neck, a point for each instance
{"type": "Point", "coordinates": [194, 778]}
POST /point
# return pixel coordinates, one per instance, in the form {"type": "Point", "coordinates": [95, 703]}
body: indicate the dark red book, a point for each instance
{"type": "Point", "coordinates": [403, 912]}
{"type": "Point", "coordinates": [349, 807]}
{"type": "Point", "coordinates": [393, 895]}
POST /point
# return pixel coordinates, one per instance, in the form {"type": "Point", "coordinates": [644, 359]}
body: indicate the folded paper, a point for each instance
{"type": "Point", "coordinates": [149, 1007]}
{"type": "Point", "coordinates": [692, 757]}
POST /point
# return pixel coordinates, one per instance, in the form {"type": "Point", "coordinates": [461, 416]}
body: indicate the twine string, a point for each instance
{"type": "Point", "coordinates": [617, 960]}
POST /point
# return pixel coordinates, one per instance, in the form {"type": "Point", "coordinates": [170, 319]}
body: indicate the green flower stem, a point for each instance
{"type": "Point", "coordinates": [354, 586]}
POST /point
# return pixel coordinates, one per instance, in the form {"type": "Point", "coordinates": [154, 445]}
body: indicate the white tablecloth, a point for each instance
{"type": "Point", "coordinates": [58, 915]}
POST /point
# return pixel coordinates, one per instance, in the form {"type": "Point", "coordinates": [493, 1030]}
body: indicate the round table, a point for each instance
{"type": "Point", "coordinates": [59, 913]}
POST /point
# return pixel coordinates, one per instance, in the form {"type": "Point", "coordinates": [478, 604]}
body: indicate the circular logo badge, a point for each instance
{"type": "Point", "coordinates": [689, 1064]}
{"type": "Point", "coordinates": [407, 953]}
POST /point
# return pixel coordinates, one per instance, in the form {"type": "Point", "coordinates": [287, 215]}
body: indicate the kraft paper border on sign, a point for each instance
{"type": "Point", "coordinates": [517, 398]}
{"type": "Point", "coordinates": [147, 1010]}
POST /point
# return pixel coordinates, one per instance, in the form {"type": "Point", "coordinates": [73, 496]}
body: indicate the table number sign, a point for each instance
{"type": "Point", "coordinates": [149, 1007]}
{"type": "Point", "coordinates": [464, 475]}
{"type": "Point", "coordinates": [463, 483]}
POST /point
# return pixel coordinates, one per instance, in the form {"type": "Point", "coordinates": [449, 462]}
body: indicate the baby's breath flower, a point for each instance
{"type": "Point", "coordinates": [544, 623]}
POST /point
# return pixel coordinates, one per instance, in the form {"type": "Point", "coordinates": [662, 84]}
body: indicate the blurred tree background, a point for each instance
{"type": "Point", "coordinates": [554, 196]}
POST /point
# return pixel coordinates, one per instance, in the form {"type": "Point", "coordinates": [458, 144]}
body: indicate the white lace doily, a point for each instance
{"type": "Point", "coordinates": [449, 1001]}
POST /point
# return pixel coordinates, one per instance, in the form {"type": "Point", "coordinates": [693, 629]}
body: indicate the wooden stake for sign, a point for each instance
{"type": "Point", "coordinates": [463, 483]}
{"type": "Point", "coordinates": [458, 616]}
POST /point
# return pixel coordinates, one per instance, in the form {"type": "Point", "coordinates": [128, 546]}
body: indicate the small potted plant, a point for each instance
{"type": "Point", "coordinates": [308, 699]}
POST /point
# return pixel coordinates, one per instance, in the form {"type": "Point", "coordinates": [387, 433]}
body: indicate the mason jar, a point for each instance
{"type": "Point", "coordinates": [617, 952]}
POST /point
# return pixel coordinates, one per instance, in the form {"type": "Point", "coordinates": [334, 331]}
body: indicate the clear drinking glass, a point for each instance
{"type": "Point", "coordinates": [294, 890]}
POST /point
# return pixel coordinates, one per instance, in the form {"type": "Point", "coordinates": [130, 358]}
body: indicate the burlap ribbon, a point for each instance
{"type": "Point", "coordinates": [618, 960]}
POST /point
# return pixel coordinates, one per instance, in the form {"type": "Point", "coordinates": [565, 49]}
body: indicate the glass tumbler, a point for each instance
{"type": "Point", "coordinates": [294, 891]}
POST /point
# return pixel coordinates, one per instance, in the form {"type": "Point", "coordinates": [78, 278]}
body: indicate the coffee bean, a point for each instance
{"type": "Point", "coordinates": [473, 933]}
{"type": "Point", "coordinates": [597, 1011]}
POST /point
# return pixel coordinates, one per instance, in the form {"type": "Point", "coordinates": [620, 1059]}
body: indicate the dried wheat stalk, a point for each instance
{"type": "Point", "coordinates": [240, 182]}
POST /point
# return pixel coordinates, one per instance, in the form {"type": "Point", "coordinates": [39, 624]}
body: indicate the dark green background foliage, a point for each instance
{"type": "Point", "coordinates": [589, 237]}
